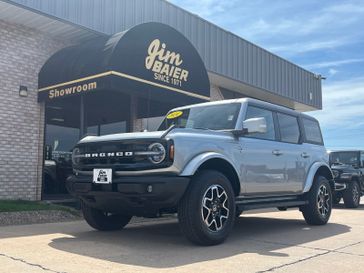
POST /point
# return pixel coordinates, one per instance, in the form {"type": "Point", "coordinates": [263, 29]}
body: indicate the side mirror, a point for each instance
{"type": "Point", "coordinates": [255, 125]}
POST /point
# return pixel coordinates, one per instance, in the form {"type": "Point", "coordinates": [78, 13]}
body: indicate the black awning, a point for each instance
{"type": "Point", "coordinates": [150, 57]}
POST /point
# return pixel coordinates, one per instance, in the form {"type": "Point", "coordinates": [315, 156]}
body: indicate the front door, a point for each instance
{"type": "Point", "coordinates": [263, 162]}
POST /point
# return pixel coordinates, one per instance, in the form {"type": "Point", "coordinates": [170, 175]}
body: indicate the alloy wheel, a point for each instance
{"type": "Point", "coordinates": [323, 201]}
{"type": "Point", "coordinates": [215, 208]}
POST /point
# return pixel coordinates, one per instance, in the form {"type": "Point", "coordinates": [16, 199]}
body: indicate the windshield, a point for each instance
{"type": "Point", "coordinates": [348, 158]}
{"type": "Point", "coordinates": [212, 117]}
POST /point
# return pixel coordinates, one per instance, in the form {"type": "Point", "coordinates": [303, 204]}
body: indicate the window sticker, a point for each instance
{"type": "Point", "coordinates": [174, 114]}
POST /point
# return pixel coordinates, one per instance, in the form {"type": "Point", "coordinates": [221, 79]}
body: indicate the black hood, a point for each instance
{"type": "Point", "coordinates": [343, 168]}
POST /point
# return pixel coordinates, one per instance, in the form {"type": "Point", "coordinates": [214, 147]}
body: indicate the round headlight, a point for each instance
{"type": "Point", "coordinates": [76, 156]}
{"type": "Point", "coordinates": [158, 153]}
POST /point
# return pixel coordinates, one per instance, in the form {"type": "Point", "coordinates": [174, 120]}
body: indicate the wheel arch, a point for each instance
{"type": "Point", "coordinates": [319, 169]}
{"type": "Point", "coordinates": [217, 162]}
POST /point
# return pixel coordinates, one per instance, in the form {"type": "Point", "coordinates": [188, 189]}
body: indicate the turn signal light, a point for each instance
{"type": "Point", "coordinates": [171, 152]}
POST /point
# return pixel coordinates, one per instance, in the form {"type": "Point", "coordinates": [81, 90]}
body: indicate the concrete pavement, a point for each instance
{"type": "Point", "coordinates": [262, 242]}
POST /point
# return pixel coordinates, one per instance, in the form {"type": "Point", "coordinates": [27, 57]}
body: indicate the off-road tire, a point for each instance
{"type": "Point", "coordinates": [192, 214]}
{"type": "Point", "coordinates": [312, 211]}
{"type": "Point", "coordinates": [352, 195]}
{"type": "Point", "coordinates": [103, 221]}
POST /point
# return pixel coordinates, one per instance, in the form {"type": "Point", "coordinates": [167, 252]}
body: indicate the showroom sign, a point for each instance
{"type": "Point", "coordinates": [150, 57]}
{"type": "Point", "coordinates": [61, 92]}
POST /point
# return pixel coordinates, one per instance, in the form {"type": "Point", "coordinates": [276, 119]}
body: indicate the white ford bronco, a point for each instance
{"type": "Point", "coordinates": [208, 162]}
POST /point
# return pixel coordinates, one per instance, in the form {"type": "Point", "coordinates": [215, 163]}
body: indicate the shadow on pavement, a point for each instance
{"type": "Point", "coordinates": [341, 206]}
{"type": "Point", "coordinates": [162, 245]}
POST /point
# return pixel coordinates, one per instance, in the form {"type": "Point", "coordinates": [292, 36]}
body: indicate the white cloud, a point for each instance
{"type": "Point", "coordinates": [332, 71]}
{"type": "Point", "coordinates": [333, 63]}
{"type": "Point", "coordinates": [343, 105]}
{"type": "Point", "coordinates": [347, 8]}
{"type": "Point", "coordinates": [290, 49]}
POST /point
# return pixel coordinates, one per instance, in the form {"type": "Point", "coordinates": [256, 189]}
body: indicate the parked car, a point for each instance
{"type": "Point", "coordinates": [209, 162]}
{"type": "Point", "coordinates": [348, 170]}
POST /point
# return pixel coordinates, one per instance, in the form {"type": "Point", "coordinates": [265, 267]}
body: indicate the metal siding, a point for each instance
{"type": "Point", "coordinates": [223, 52]}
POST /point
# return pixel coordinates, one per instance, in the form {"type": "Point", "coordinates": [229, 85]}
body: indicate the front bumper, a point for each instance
{"type": "Point", "coordinates": [139, 196]}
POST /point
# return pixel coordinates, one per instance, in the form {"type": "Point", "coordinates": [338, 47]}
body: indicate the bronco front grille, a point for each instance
{"type": "Point", "coordinates": [118, 155]}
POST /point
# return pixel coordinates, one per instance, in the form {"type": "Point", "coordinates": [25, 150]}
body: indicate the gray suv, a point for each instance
{"type": "Point", "coordinates": [208, 162]}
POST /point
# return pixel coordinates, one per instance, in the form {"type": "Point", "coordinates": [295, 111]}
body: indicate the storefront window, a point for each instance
{"type": "Point", "coordinates": [102, 115]}
{"type": "Point", "coordinates": [113, 128]}
{"type": "Point", "coordinates": [151, 124]}
{"type": "Point", "coordinates": [60, 138]}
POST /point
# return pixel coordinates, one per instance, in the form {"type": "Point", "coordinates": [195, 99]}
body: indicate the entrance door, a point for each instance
{"type": "Point", "coordinates": [71, 118]}
{"type": "Point", "coordinates": [62, 131]}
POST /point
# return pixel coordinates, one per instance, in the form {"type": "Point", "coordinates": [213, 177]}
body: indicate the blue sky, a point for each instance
{"type": "Point", "coordinates": [325, 37]}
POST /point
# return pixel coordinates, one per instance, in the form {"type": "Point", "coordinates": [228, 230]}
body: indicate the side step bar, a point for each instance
{"type": "Point", "coordinates": [261, 203]}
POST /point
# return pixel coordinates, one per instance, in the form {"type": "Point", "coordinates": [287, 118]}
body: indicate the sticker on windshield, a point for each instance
{"type": "Point", "coordinates": [174, 114]}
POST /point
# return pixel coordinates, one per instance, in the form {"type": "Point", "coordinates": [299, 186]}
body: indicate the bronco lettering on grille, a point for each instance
{"type": "Point", "coordinates": [111, 154]}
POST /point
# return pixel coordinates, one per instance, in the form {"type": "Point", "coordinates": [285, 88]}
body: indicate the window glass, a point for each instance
{"type": "Point", "coordinates": [62, 139]}
{"type": "Point", "coordinates": [151, 124]}
{"type": "Point", "coordinates": [312, 131]}
{"type": "Point", "coordinates": [255, 112]}
{"type": "Point", "coordinates": [212, 117]}
{"type": "Point", "coordinates": [347, 158]}
{"type": "Point", "coordinates": [288, 127]}
{"type": "Point", "coordinates": [362, 158]}
{"type": "Point", "coordinates": [113, 128]}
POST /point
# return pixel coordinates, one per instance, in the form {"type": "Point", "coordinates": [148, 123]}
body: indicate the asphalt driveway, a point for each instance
{"type": "Point", "coordinates": [262, 242]}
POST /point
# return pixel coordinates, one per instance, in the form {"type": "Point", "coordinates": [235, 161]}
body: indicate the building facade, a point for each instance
{"type": "Point", "coordinates": [37, 133]}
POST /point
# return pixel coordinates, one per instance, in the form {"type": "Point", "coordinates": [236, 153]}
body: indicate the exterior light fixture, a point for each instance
{"type": "Point", "coordinates": [319, 77]}
{"type": "Point", "coordinates": [23, 91]}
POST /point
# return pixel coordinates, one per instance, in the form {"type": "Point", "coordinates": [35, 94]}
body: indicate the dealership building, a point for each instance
{"type": "Point", "coordinates": [70, 68]}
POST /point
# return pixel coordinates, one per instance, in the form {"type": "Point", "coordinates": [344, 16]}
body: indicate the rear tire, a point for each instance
{"type": "Point", "coordinates": [318, 209]}
{"type": "Point", "coordinates": [206, 212]}
{"type": "Point", "coordinates": [352, 195]}
{"type": "Point", "coordinates": [103, 221]}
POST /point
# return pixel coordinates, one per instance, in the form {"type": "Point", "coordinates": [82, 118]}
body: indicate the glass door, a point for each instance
{"type": "Point", "coordinates": [70, 119]}
{"type": "Point", "coordinates": [62, 131]}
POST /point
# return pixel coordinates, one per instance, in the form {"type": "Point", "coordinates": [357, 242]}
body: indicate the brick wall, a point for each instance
{"type": "Point", "coordinates": [23, 51]}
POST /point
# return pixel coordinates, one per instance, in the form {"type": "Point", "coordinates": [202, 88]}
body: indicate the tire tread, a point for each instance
{"type": "Point", "coordinates": [189, 227]}
{"type": "Point", "coordinates": [310, 211]}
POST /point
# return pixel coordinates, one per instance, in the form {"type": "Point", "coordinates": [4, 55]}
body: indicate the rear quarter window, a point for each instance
{"type": "Point", "coordinates": [312, 131]}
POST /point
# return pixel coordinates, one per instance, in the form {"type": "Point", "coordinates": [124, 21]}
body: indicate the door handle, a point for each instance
{"type": "Point", "coordinates": [305, 155]}
{"type": "Point", "coordinates": [277, 152]}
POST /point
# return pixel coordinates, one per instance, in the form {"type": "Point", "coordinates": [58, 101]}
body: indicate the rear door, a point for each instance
{"type": "Point", "coordinates": [295, 156]}
{"type": "Point", "coordinates": [313, 145]}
